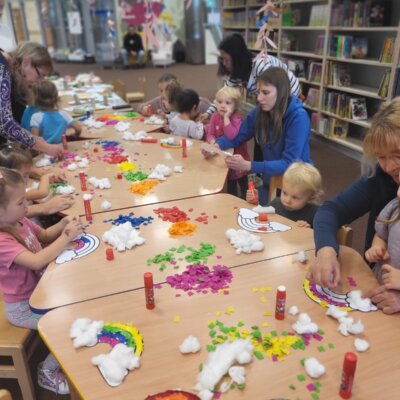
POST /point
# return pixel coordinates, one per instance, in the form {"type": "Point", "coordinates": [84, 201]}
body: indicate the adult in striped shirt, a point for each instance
{"type": "Point", "coordinates": [236, 62]}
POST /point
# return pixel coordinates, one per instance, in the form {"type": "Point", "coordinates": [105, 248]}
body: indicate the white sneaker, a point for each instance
{"type": "Point", "coordinates": [53, 380]}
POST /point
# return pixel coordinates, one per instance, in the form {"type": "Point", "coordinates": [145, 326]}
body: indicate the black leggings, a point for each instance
{"type": "Point", "coordinates": [235, 184]}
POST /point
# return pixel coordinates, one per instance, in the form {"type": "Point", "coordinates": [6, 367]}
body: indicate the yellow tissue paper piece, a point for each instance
{"type": "Point", "coordinates": [230, 310]}
{"type": "Point", "coordinates": [266, 289]}
{"type": "Point", "coordinates": [255, 290]}
{"type": "Point", "coordinates": [263, 299]}
{"type": "Point", "coordinates": [265, 324]}
{"type": "Point", "coordinates": [323, 303]}
{"type": "Point", "coordinates": [218, 313]}
{"type": "Point", "coordinates": [177, 318]}
{"type": "Point", "coordinates": [267, 314]}
{"type": "Point", "coordinates": [126, 166]}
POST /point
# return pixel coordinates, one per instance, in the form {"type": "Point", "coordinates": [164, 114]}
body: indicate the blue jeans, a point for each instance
{"type": "Point", "coordinates": [125, 57]}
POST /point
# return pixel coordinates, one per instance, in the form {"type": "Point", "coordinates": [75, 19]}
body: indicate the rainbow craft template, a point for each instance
{"type": "Point", "coordinates": [84, 245]}
{"type": "Point", "coordinates": [248, 220]}
{"type": "Point", "coordinates": [326, 297]}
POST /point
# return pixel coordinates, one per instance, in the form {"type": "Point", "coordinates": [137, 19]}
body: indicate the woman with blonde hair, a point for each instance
{"type": "Point", "coordinates": [28, 64]}
{"type": "Point", "coordinates": [376, 187]}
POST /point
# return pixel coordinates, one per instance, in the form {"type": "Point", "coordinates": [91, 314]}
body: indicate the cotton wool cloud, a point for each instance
{"type": "Point", "coordinates": [190, 345]}
{"type": "Point", "coordinates": [243, 241]}
{"type": "Point", "coordinates": [123, 237]}
{"type": "Point", "coordinates": [100, 183]}
{"type": "Point", "coordinates": [304, 325]}
{"type": "Point", "coordinates": [84, 332]}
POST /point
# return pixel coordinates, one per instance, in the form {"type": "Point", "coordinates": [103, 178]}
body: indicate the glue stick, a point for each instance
{"type": "Point", "coordinates": [280, 302]}
{"type": "Point", "coordinates": [184, 148]}
{"type": "Point", "coordinates": [254, 192]}
{"type": "Point", "coordinates": [149, 290]}
{"type": "Point", "coordinates": [82, 178]}
{"type": "Point", "coordinates": [349, 369]}
{"type": "Point", "coordinates": [88, 210]}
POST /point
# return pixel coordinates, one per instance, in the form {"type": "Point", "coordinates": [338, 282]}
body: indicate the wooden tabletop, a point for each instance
{"type": "Point", "coordinates": [199, 177]}
{"type": "Point", "coordinates": [93, 276]}
{"type": "Point", "coordinates": [163, 367]}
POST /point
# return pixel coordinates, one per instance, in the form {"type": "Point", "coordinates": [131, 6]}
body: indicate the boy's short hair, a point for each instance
{"type": "Point", "coordinates": [46, 95]}
{"type": "Point", "coordinates": [167, 77]}
{"type": "Point", "coordinates": [306, 177]}
{"type": "Point", "coordinates": [231, 92]}
{"type": "Point", "coordinates": [172, 91]}
{"type": "Point", "coordinates": [186, 100]}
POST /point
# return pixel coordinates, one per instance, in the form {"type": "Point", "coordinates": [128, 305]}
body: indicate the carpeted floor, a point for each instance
{"type": "Point", "coordinates": [337, 170]}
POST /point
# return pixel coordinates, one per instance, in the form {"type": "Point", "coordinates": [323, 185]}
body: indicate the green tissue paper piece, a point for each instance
{"type": "Point", "coordinates": [259, 355]}
{"type": "Point", "coordinates": [292, 387]}
{"type": "Point", "coordinates": [210, 348]}
{"type": "Point", "coordinates": [301, 378]}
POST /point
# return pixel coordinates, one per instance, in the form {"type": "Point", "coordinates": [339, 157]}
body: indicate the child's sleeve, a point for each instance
{"type": "Point", "coordinates": [67, 117]}
{"type": "Point", "coordinates": [382, 228]}
{"type": "Point", "coordinates": [210, 131]}
{"type": "Point", "coordinates": [196, 130]}
{"type": "Point", "coordinates": [10, 248]}
{"type": "Point", "coordinates": [231, 130]}
{"type": "Point", "coordinates": [36, 120]}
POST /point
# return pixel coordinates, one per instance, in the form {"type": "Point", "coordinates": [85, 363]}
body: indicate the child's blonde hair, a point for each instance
{"type": "Point", "coordinates": [231, 93]}
{"type": "Point", "coordinates": [14, 157]}
{"type": "Point", "coordinates": [306, 177]}
{"type": "Point", "coordinates": [172, 91]}
{"type": "Point", "coordinates": [46, 95]}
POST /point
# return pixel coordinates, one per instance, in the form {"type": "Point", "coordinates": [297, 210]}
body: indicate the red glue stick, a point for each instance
{"type": "Point", "coordinates": [280, 302]}
{"type": "Point", "coordinates": [109, 254]}
{"type": "Point", "coordinates": [184, 148]}
{"type": "Point", "coordinates": [349, 369]}
{"type": "Point", "coordinates": [149, 290]}
{"type": "Point", "coordinates": [149, 110]}
{"type": "Point", "coordinates": [82, 178]}
{"type": "Point", "coordinates": [148, 140]}
{"type": "Point", "coordinates": [254, 192]}
{"type": "Point", "coordinates": [88, 210]}
{"type": "Point", "coordinates": [64, 142]}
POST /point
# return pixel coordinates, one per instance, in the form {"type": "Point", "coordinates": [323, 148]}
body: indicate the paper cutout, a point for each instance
{"type": "Point", "coordinates": [212, 149]}
{"type": "Point", "coordinates": [173, 395]}
{"type": "Point", "coordinates": [247, 219]}
{"type": "Point", "coordinates": [85, 245]}
{"type": "Point", "coordinates": [326, 297]}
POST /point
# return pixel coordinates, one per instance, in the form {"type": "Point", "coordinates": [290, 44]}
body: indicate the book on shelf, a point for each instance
{"type": "Point", "coordinates": [314, 72]}
{"type": "Point", "coordinates": [350, 13]}
{"type": "Point", "coordinates": [289, 42]}
{"type": "Point", "coordinates": [341, 46]}
{"type": "Point", "coordinates": [396, 85]}
{"type": "Point", "coordinates": [318, 15]}
{"type": "Point", "coordinates": [387, 50]}
{"type": "Point", "coordinates": [337, 74]}
{"type": "Point", "coordinates": [319, 45]}
{"type": "Point", "coordinates": [358, 108]}
{"type": "Point", "coordinates": [297, 67]}
{"type": "Point", "coordinates": [379, 13]}
{"type": "Point", "coordinates": [384, 85]}
{"type": "Point", "coordinates": [312, 99]}
{"type": "Point", "coordinates": [337, 128]}
{"type": "Point", "coordinates": [359, 47]}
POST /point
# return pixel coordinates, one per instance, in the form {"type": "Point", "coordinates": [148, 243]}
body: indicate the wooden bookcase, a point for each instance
{"type": "Point", "coordinates": [325, 35]}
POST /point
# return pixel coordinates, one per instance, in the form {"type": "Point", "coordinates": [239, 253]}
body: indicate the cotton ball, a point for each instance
{"type": "Point", "coordinates": [356, 328]}
{"type": "Point", "coordinates": [361, 345]}
{"type": "Point", "coordinates": [123, 237]}
{"type": "Point", "coordinates": [244, 241]}
{"type": "Point", "coordinates": [43, 162]}
{"type": "Point", "coordinates": [87, 196]}
{"type": "Point", "coordinates": [83, 163]}
{"type": "Point", "coordinates": [178, 168]}
{"type": "Point", "coordinates": [72, 167]}
{"type": "Point", "coordinates": [206, 395]}
{"type": "Point", "coordinates": [264, 210]}
{"type": "Point", "coordinates": [224, 387]}
{"type": "Point", "coordinates": [67, 189]}
{"type": "Point", "coordinates": [294, 310]}
{"type": "Point", "coordinates": [313, 367]}
{"type": "Point", "coordinates": [159, 172]}
{"type": "Point", "coordinates": [302, 256]}
{"type": "Point", "coordinates": [122, 126]}
{"type": "Point", "coordinates": [84, 331]}
{"type": "Point", "coordinates": [358, 303]}
{"type": "Point", "coordinates": [103, 183]}
{"type": "Point", "coordinates": [336, 312]}
{"type": "Point", "coordinates": [347, 325]}
{"type": "Point", "coordinates": [237, 374]}
{"type": "Point", "coordinates": [105, 205]}
{"type": "Point", "coordinates": [304, 325]}
{"type": "Point", "coordinates": [128, 136]}
{"type": "Point", "coordinates": [190, 345]}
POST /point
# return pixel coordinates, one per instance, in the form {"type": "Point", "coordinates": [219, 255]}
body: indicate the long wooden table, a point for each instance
{"type": "Point", "coordinates": [93, 276]}
{"type": "Point", "coordinates": [163, 367]}
{"type": "Point", "coordinates": [199, 177]}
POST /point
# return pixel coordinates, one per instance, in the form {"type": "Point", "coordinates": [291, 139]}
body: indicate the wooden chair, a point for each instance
{"type": "Point", "coordinates": [132, 97]}
{"type": "Point", "coordinates": [5, 395]}
{"type": "Point", "coordinates": [345, 233]}
{"type": "Point", "coordinates": [17, 344]}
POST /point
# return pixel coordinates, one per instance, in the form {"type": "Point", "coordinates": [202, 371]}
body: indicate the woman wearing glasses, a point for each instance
{"type": "Point", "coordinates": [236, 62]}
{"type": "Point", "coordinates": [29, 63]}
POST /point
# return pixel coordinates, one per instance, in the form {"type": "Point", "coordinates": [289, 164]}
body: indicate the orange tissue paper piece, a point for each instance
{"type": "Point", "coordinates": [143, 187]}
{"type": "Point", "coordinates": [182, 228]}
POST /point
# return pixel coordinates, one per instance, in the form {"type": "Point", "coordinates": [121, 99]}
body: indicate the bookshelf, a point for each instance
{"type": "Point", "coordinates": [341, 49]}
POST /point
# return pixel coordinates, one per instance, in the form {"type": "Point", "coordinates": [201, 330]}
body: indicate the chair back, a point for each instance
{"type": "Point", "coordinates": [275, 183]}
{"type": "Point", "coordinates": [345, 236]}
{"type": "Point", "coordinates": [119, 88]}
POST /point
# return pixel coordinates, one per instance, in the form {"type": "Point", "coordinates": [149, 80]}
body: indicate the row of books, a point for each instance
{"type": "Point", "coordinates": [319, 15]}
{"type": "Point", "coordinates": [345, 46]}
{"type": "Point", "coordinates": [360, 13]}
{"type": "Point", "coordinates": [236, 18]}
{"type": "Point", "coordinates": [234, 3]}
{"type": "Point", "coordinates": [337, 74]}
{"type": "Point", "coordinates": [396, 86]}
{"type": "Point", "coordinates": [329, 126]}
{"type": "Point", "coordinates": [300, 69]}
{"type": "Point", "coordinates": [345, 106]}
{"type": "Point", "coordinates": [387, 50]}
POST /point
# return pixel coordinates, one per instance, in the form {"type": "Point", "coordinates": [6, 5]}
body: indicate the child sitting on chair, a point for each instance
{"type": "Point", "coordinates": [184, 124]}
{"type": "Point", "coordinates": [50, 122]}
{"type": "Point", "coordinates": [301, 191]}
{"type": "Point", "coordinates": [226, 122]}
{"type": "Point", "coordinates": [384, 251]}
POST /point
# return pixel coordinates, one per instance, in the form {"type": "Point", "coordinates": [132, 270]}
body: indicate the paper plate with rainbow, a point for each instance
{"type": "Point", "coordinates": [83, 246]}
{"type": "Point", "coordinates": [326, 297]}
{"type": "Point", "coordinates": [248, 220]}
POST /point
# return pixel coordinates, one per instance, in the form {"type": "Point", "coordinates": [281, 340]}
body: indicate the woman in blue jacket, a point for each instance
{"type": "Point", "coordinates": [280, 126]}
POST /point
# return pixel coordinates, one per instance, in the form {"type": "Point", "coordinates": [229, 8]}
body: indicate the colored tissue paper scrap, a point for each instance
{"type": "Point", "coordinates": [134, 221]}
{"type": "Point", "coordinates": [143, 187]}
{"type": "Point", "coordinates": [182, 228]}
{"type": "Point", "coordinates": [172, 214]}
{"type": "Point", "coordinates": [135, 176]}
{"type": "Point", "coordinates": [126, 166]}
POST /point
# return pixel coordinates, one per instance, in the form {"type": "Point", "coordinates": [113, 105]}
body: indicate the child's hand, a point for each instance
{"type": "Point", "coordinates": [303, 224]}
{"type": "Point", "coordinates": [209, 154]}
{"type": "Point", "coordinates": [203, 118]}
{"type": "Point", "coordinates": [160, 112]}
{"type": "Point", "coordinates": [391, 277]}
{"type": "Point", "coordinates": [73, 228]}
{"type": "Point", "coordinates": [376, 253]}
{"type": "Point", "coordinates": [58, 203]}
{"type": "Point", "coordinates": [66, 220]}
{"type": "Point", "coordinates": [229, 111]}
{"type": "Point", "coordinates": [59, 177]}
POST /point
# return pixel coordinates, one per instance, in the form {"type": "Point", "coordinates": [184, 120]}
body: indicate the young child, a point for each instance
{"type": "Point", "coordinates": [301, 191]}
{"type": "Point", "coordinates": [184, 124]}
{"type": "Point", "coordinates": [226, 122]}
{"type": "Point", "coordinates": [384, 250]}
{"type": "Point", "coordinates": [50, 122]}
{"type": "Point", "coordinates": [170, 102]}
{"type": "Point", "coordinates": [13, 157]}
{"type": "Point", "coordinates": [158, 104]}
{"type": "Point", "coordinates": [22, 260]}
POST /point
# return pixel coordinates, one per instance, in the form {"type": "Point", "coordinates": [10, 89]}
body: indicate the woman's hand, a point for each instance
{"type": "Point", "coordinates": [391, 277]}
{"type": "Point", "coordinates": [238, 163]}
{"type": "Point", "coordinates": [203, 118]}
{"type": "Point", "coordinates": [326, 268]}
{"type": "Point", "coordinates": [53, 150]}
{"type": "Point", "coordinates": [385, 299]}
{"type": "Point", "coordinates": [210, 154]}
